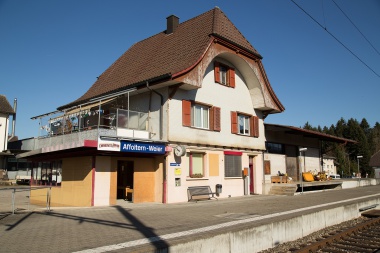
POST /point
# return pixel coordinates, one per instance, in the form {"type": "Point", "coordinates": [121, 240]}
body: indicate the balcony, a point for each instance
{"type": "Point", "coordinates": [79, 125]}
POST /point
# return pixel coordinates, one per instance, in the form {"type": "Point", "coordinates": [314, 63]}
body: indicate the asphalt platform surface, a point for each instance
{"type": "Point", "coordinates": [129, 227]}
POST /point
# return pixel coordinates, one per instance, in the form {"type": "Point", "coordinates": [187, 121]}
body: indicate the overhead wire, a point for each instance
{"type": "Point", "coordinates": [341, 43]}
{"type": "Point", "coordinates": [356, 27]}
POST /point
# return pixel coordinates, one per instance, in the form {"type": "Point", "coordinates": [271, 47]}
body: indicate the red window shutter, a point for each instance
{"type": "Point", "coordinates": [256, 132]}
{"type": "Point", "coordinates": [211, 118]}
{"type": "Point", "coordinates": [234, 123]}
{"type": "Point", "coordinates": [216, 118]}
{"type": "Point", "coordinates": [231, 76]}
{"type": "Point", "coordinates": [216, 72]}
{"type": "Point", "coordinates": [186, 113]}
{"type": "Point", "coordinates": [251, 126]}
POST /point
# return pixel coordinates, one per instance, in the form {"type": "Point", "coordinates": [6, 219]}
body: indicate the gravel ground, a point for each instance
{"type": "Point", "coordinates": [299, 244]}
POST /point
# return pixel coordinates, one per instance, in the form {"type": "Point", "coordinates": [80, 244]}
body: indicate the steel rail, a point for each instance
{"type": "Point", "coordinates": [327, 242]}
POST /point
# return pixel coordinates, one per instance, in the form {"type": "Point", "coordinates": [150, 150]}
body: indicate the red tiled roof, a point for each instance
{"type": "Point", "coordinates": [5, 107]}
{"type": "Point", "coordinates": [165, 54]}
{"type": "Point", "coordinates": [375, 160]}
{"type": "Point", "coordinates": [308, 133]}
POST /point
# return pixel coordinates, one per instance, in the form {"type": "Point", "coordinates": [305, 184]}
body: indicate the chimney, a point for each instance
{"type": "Point", "coordinates": [14, 117]}
{"type": "Point", "coordinates": [172, 22]}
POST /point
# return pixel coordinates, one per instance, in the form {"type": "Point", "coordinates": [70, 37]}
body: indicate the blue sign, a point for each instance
{"type": "Point", "coordinates": [175, 164]}
{"type": "Point", "coordinates": [142, 147]}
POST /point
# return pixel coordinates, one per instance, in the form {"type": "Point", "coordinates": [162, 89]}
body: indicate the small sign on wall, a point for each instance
{"type": "Point", "coordinates": [177, 171]}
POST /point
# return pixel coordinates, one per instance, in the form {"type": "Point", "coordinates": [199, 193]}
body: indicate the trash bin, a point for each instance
{"type": "Point", "coordinates": [218, 189]}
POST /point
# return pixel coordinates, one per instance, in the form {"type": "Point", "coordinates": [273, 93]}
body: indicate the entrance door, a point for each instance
{"type": "Point", "coordinates": [291, 161]}
{"type": "Point", "coordinates": [251, 176]}
{"type": "Point", "coordinates": [125, 170]}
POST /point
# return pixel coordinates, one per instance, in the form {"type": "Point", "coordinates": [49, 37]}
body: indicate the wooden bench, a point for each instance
{"type": "Point", "coordinates": [200, 192]}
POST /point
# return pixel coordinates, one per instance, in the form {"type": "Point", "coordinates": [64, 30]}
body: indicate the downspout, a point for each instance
{"type": "Point", "coordinates": [263, 191]}
{"type": "Point", "coordinates": [93, 173]}
{"type": "Point", "coordinates": [6, 135]}
{"type": "Point", "coordinates": [161, 135]}
{"type": "Point", "coordinates": [14, 117]}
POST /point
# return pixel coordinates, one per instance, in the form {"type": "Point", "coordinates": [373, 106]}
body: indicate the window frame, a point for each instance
{"type": "Point", "coordinates": [253, 124]}
{"type": "Point", "coordinates": [204, 123]}
{"type": "Point", "coordinates": [47, 173]}
{"type": "Point", "coordinates": [244, 126]}
{"type": "Point", "coordinates": [275, 148]}
{"type": "Point", "coordinates": [191, 173]}
{"type": "Point", "coordinates": [229, 74]}
{"type": "Point", "coordinates": [235, 160]}
{"type": "Point", "coordinates": [214, 120]}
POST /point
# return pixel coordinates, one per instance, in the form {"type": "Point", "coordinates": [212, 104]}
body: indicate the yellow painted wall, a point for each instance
{"type": "Point", "coordinates": [147, 179]}
{"type": "Point", "coordinates": [113, 185]}
{"type": "Point", "coordinates": [76, 187]}
{"type": "Point", "coordinates": [213, 165]}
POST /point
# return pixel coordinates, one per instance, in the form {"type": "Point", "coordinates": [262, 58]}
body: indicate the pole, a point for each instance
{"type": "Point", "coordinates": [358, 166]}
{"type": "Point", "coordinates": [13, 200]}
{"type": "Point", "coordinates": [304, 166]}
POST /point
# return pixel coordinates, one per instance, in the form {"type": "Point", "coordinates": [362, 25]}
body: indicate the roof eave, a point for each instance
{"type": "Point", "coordinates": [139, 84]}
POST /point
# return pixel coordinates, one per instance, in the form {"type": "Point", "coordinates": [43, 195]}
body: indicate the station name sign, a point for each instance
{"type": "Point", "coordinates": [142, 147]}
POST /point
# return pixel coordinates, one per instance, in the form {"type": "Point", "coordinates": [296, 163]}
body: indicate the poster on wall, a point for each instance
{"type": "Point", "coordinates": [108, 145]}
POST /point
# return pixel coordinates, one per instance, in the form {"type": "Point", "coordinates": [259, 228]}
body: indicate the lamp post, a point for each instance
{"type": "Point", "coordinates": [304, 165]}
{"type": "Point", "coordinates": [358, 157]}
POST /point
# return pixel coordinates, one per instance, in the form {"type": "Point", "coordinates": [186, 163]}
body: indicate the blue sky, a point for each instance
{"type": "Point", "coordinates": [52, 51]}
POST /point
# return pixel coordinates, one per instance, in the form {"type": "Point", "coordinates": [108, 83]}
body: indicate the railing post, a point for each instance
{"type": "Point", "coordinates": [48, 195]}
{"type": "Point", "coordinates": [13, 200]}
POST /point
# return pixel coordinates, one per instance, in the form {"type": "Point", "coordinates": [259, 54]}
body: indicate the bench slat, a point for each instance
{"type": "Point", "coordinates": [200, 192]}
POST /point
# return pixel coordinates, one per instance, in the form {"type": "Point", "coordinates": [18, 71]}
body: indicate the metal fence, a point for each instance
{"type": "Point", "coordinates": [17, 199]}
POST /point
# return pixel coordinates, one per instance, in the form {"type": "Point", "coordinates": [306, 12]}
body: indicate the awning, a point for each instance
{"type": "Point", "coordinates": [29, 153]}
{"type": "Point", "coordinates": [87, 107]}
{"type": "Point", "coordinates": [81, 109]}
{"type": "Point", "coordinates": [6, 154]}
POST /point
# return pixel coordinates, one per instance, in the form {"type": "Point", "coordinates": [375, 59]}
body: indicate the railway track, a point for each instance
{"type": "Point", "coordinates": [364, 237]}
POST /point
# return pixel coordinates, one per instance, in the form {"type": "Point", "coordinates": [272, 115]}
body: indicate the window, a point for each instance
{"type": "Point", "coordinates": [244, 124]}
{"type": "Point", "coordinates": [275, 148]}
{"type": "Point", "coordinates": [224, 74]}
{"type": "Point", "coordinates": [47, 173]}
{"type": "Point", "coordinates": [200, 115]}
{"type": "Point", "coordinates": [196, 165]}
{"type": "Point", "coordinates": [232, 164]}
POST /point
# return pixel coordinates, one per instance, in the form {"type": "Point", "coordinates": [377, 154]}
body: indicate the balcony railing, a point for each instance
{"type": "Point", "coordinates": [113, 123]}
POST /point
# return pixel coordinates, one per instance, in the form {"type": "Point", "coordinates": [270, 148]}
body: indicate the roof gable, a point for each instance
{"type": "Point", "coordinates": [5, 107]}
{"type": "Point", "coordinates": [163, 55]}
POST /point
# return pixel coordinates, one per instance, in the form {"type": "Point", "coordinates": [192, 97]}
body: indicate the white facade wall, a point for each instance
{"type": "Point", "coordinates": [228, 99]}
{"type": "Point", "coordinates": [329, 166]}
{"type": "Point", "coordinates": [102, 186]}
{"type": "Point", "coordinates": [213, 142]}
{"type": "Point", "coordinates": [277, 164]}
{"type": "Point", "coordinates": [4, 128]}
{"type": "Point", "coordinates": [312, 161]}
{"type": "Point", "coordinates": [178, 168]}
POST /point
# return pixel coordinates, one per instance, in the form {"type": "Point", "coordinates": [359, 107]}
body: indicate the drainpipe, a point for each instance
{"type": "Point", "coordinates": [6, 136]}
{"type": "Point", "coordinates": [161, 135]}
{"type": "Point", "coordinates": [14, 117]}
